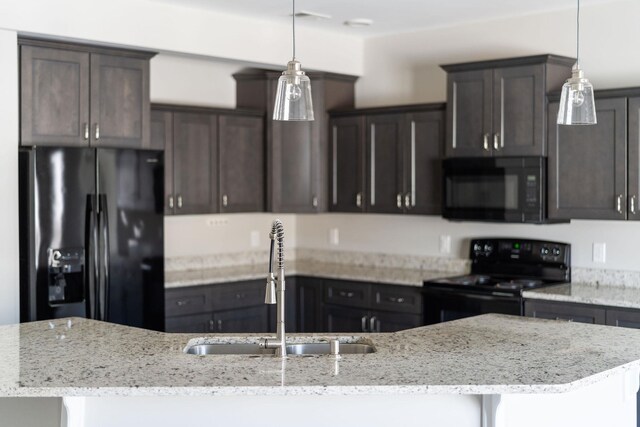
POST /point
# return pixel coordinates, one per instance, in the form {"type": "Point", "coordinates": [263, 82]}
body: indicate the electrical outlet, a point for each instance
{"type": "Point", "coordinates": [217, 222]}
{"type": "Point", "coordinates": [255, 239]}
{"type": "Point", "coordinates": [600, 253]}
{"type": "Point", "coordinates": [445, 244]}
{"type": "Point", "coordinates": [334, 237]}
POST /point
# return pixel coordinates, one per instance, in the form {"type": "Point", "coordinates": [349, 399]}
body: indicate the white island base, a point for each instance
{"type": "Point", "coordinates": [609, 402]}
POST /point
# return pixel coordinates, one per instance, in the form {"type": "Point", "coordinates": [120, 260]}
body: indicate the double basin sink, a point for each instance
{"type": "Point", "coordinates": [309, 349]}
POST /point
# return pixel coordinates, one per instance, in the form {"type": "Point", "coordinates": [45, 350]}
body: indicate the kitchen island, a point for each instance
{"type": "Point", "coordinates": [490, 370]}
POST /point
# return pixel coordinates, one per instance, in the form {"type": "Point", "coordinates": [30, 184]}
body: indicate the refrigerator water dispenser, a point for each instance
{"type": "Point", "coordinates": [66, 276]}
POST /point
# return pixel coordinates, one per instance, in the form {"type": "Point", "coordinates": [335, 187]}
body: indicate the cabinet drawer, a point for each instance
{"type": "Point", "coordinates": [623, 318]}
{"type": "Point", "coordinates": [238, 295]}
{"type": "Point", "coordinates": [397, 298]}
{"type": "Point", "coordinates": [246, 320]}
{"type": "Point", "coordinates": [565, 311]}
{"type": "Point", "coordinates": [187, 301]}
{"type": "Point", "coordinates": [351, 294]}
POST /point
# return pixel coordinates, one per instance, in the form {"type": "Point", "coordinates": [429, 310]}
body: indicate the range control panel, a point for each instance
{"type": "Point", "coordinates": [519, 251]}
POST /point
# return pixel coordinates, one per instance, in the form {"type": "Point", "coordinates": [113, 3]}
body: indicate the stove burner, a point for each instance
{"type": "Point", "coordinates": [519, 284]}
{"type": "Point", "coordinates": [470, 280]}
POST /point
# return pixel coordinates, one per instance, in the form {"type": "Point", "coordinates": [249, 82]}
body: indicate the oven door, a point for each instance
{"type": "Point", "coordinates": [442, 305]}
{"type": "Point", "coordinates": [509, 189]}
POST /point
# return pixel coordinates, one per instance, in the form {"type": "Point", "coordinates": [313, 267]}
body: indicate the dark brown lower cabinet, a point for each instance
{"type": "Point", "coordinates": [242, 320]}
{"type": "Point", "coordinates": [626, 318]}
{"type": "Point", "coordinates": [308, 304]}
{"type": "Point", "coordinates": [345, 319]}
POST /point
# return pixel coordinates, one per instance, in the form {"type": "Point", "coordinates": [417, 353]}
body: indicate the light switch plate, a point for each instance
{"type": "Point", "coordinates": [600, 253]}
{"type": "Point", "coordinates": [445, 244]}
{"type": "Point", "coordinates": [334, 237]}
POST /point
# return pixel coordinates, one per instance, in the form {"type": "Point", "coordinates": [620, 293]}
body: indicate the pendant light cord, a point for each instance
{"type": "Point", "coordinates": [293, 21]}
{"type": "Point", "coordinates": [577, 35]}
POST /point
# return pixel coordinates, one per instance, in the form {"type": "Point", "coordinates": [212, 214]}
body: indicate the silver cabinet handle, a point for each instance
{"type": "Point", "coordinates": [86, 131]}
{"type": "Point", "coordinates": [179, 202]}
{"type": "Point", "coordinates": [407, 200]}
{"type": "Point", "coordinates": [346, 294]}
{"type": "Point", "coordinates": [211, 325]}
{"type": "Point", "coordinates": [364, 323]}
{"type": "Point", "coordinates": [399, 200]}
{"type": "Point", "coordinates": [496, 141]}
{"type": "Point", "coordinates": [632, 205]}
{"type": "Point", "coordinates": [486, 142]}
{"type": "Point", "coordinates": [170, 202]}
{"type": "Point", "coordinates": [97, 131]}
{"type": "Point", "coordinates": [372, 324]}
{"type": "Point", "coordinates": [219, 325]}
{"type": "Point", "coordinates": [359, 200]}
{"type": "Point", "coordinates": [225, 200]}
{"type": "Point", "coordinates": [314, 201]}
{"type": "Point", "coordinates": [182, 302]}
{"type": "Point", "coordinates": [619, 203]}
{"type": "Point", "coordinates": [399, 300]}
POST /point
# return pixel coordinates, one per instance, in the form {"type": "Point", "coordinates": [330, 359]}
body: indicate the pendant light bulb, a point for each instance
{"type": "Point", "coordinates": [293, 97]}
{"type": "Point", "coordinates": [577, 106]}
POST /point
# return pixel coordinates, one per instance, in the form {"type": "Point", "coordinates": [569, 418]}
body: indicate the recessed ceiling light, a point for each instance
{"type": "Point", "coordinates": [358, 22]}
{"type": "Point", "coordinates": [312, 15]}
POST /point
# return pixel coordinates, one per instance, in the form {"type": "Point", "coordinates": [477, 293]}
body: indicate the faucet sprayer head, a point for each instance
{"type": "Point", "coordinates": [270, 292]}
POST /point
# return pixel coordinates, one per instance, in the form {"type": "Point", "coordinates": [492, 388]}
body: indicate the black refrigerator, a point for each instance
{"type": "Point", "coordinates": [91, 235]}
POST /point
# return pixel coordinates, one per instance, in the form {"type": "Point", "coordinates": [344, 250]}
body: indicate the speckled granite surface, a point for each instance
{"type": "Point", "coordinates": [368, 267]}
{"type": "Point", "coordinates": [615, 296]}
{"type": "Point", "coordinates": [481, 355]}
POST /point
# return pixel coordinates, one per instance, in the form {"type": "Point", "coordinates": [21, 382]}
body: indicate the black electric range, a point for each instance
{"type": "Point", "coordinates": [501, 269]}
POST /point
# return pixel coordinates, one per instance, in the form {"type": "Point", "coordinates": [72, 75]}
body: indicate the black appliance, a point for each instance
{"type": "Point", "coordinates": [501, 269]}
{"type": "Point", "coordinates": [91, 235]}
{"type": "Point", "coordinates": [505, 189]}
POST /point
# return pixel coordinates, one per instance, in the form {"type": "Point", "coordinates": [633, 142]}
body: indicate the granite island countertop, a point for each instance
{"type": "Point", "coordinates": [586, 293]}
{"type": "Point", "coordinates": [486, 354]}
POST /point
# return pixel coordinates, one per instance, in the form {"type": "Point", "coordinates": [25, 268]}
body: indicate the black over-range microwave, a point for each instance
{"type": "Point", "coordinates": [504, 189]}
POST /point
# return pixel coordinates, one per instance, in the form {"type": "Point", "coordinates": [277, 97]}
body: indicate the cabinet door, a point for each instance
{"type": "Point", "coordinates": [404, 299]}
{"type": "Point", "coordinates": [588, 164]}
{"type": "Point", "coordinates": [228, 296]}
{"type": "Point", "coordinates": [190, 300]}
{"type": "Point", "coordinates": [198, 323]}
{"type": "Point", "coordinates": [347, 164]}
{"type": "Point", "coordinates": [469, 109]}
{"type": "Point", "coordinates": [345, 319]}
{"type": "Point", "coordinates": [162, 139]}
{"type": "Point", "coordinates": [347, 293]}
{"type": "Point", "coordinates": [565, 311]}
{"type": "Point", "coordinates": [195, 163]}
{"type": "Point", "coordinates": [423, 162]}
{"type": "Point", "coordinates": [241, 167]}
{"type": "Point", "coordinates": [309, 304]}
{"type": "Point", "coordinates": [54, 97]}
{"type": "Point", "coordinates": [518, 111]}
{"type": "Point", "coordinates": [633, 211]}
{"type": "Point", "coordinates": [385, 163]}
{"type": "Point", "coordinates": [623, 318]}
{"type": "Point", "coordinates": [385, 321]}
{"type": "Point", "coordinates": [119, 102]}
{"type": "Point", "coordinates": [243, 320]}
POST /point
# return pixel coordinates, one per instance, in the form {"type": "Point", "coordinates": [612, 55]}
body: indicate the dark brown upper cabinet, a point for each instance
{"type": "Point", "coordinates": [498, 108]}
{"type": "Point", "coordinates": [400, 150]}
{"type": "Point", "coordinates": [214, 158]}
{"type": "Point", "coordinates": [593, 170]}
{"type": "Point", "coordinates": [78, 95]}
{"type": "Point", "coordinates": [296, 152]}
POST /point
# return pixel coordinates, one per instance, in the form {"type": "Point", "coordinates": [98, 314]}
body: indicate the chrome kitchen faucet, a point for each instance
{"type": "Point", "coordinates": [275, 294]}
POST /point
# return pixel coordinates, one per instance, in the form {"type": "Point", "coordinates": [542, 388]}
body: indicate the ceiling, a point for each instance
{"type": "Point", "coordinates": [389, 16]}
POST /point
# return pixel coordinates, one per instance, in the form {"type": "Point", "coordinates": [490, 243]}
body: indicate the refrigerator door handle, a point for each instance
{"type": "Point", "coordinates": [105, 283]}
{"type": "Point", "coordinates": [91, 257]}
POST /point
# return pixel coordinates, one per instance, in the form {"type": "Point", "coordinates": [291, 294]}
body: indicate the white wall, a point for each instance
{"type": "Point", "coordinates": [9, 259]}
{"type": "Point", "coordinates": [404, 68]}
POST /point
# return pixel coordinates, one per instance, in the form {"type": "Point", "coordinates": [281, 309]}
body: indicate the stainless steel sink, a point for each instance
{"type": "Point", "coordinates": [292, 349]}
{"type": "Point", "coordinates": [204, 349]}
{"type": "Point", "coordinates": [325, 347]}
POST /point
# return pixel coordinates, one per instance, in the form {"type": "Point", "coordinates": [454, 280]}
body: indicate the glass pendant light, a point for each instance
{"type": "Point", "coordinates": [293, 98]}
{"type": "Point", "coordinates": [576, 102]}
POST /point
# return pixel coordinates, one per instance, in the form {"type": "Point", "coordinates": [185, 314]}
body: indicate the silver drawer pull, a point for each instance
{"type": "Point", "coordinates": [399, 300]}
{"type": "Point", "coordinates": [219, 325]}
{"type": "Point", "coordinates": [240, 296]}
{"type": "Point", "coordinates": [182, 302]}
{"type": "Point", "coordinates": [346, 294]}
{"type": "Point", "coordinates": [211, 325]}
{"type": "Point", "coordinates": [372, 324]}
{"type": "Point", "coordinates": [364, 323]}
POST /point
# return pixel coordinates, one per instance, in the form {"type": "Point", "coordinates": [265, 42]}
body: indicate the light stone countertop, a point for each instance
{"type": "Point", "coordinates": [489, 354]}
{"type": "Point", "coordinates": [308, 268]}
{"type": "Point", "coordinates": [614, 296]}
